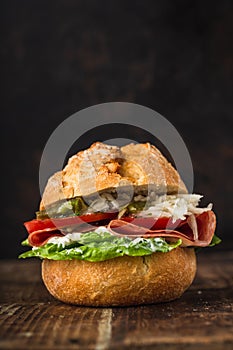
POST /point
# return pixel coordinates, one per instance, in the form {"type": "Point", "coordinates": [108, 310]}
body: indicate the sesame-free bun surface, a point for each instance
{"type": "Point", "coordinates": [121, 281]}
{"type": "Point", "coordinates": [103, 167]}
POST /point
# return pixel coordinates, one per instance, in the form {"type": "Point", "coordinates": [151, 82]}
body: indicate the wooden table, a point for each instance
{"type": "Point", "coordinates": [201, 319]}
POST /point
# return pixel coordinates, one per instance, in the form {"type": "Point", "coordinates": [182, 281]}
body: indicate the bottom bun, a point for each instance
{"type": "Point", "coordinates": [121, 281]}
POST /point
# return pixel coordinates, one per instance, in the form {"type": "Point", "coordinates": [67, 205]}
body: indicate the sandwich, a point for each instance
{"type": "Point", "coordinates": [117, 227]}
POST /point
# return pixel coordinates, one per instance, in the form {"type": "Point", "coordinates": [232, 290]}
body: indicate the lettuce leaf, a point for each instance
{"type": "Point", "coordinates": [93, 246]}
{"type": "Point", "coordinates": [215, 240]}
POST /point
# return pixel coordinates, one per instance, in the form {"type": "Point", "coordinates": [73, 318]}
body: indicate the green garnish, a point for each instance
{"type": "Point", "coordinates": [93, 246]}
{"type": "Point", "coordinates": [72, 207]}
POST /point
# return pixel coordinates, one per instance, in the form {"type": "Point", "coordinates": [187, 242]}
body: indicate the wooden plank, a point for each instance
{"type": "Point", "coordinates": [32, 319]}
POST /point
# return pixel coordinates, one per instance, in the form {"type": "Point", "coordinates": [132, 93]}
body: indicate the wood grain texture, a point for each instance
{"type": "Point", "coordinates": [202, 318]}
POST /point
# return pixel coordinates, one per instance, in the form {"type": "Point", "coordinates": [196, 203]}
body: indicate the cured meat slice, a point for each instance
{"type": "Point", "coordinates": [41, 237]}
{"type": "Point", "coordinates": [206, 223]}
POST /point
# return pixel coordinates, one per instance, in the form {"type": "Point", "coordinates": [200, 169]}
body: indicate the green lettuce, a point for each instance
{"type": "Point", "coordinates": [215, 240]}
{"type": "Point", "coordinates": [93, 246]}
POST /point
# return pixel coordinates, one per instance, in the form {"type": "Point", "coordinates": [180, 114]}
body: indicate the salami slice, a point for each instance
{"type": "Point", "coordinates": [41, 237]}
{"type": "Point", "coordinates": [206, 223]}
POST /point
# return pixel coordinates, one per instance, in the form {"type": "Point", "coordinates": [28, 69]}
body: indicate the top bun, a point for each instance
{"type": "Point", "coordinates": [104, 168]}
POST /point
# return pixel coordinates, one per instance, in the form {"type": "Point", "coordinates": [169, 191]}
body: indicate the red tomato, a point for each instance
{"type": "Point", "coordinates": [153, 223]}
{"type": "Point", "coordinates": [35, 225]}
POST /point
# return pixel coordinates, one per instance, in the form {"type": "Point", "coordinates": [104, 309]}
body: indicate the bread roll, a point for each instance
{"type": "Point", "coordinates": [121, 281]}
{"type": "Point", "coordinates": [124, 280]}
{"type": "Point", "coordinates": [104, 168]}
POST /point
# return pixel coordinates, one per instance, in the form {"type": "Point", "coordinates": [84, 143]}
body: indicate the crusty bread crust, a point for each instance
{"type": "Point", "coordinates": [146, 165]}
{"type": "Point", "coordinates": [121, 281]}
{"type": "Point", "coordinates": [102, 167]}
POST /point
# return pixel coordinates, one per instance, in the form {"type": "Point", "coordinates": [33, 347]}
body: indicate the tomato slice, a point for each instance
{"type": "Point", "coordinates": [153, 223]}
{"type": "Point", "coordinates": [58, 223]}
{"type": "Point", "coordinates": [36, 225]}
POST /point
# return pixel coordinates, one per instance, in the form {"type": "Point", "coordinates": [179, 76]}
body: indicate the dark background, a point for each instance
{"type": "Point", "coordinates": [58, 57]}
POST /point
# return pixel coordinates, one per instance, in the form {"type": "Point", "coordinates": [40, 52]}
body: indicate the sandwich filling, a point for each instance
{"type": "Point", "coordinates": [109, 226]}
